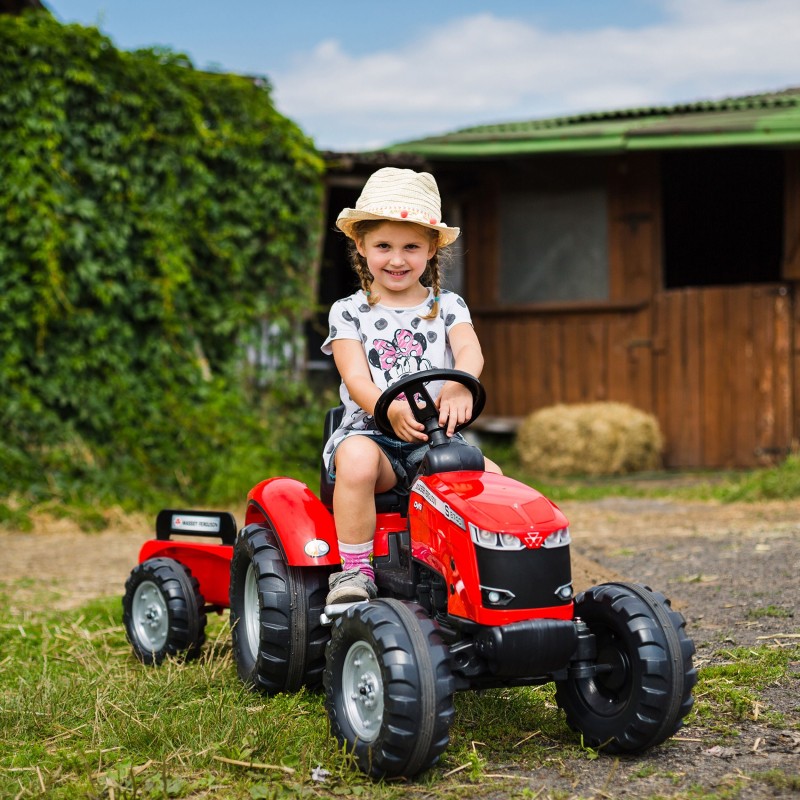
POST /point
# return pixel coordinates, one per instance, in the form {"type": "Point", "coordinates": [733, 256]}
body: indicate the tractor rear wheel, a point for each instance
{"type": "Point", "coordinates": [642, 689]}
{"type": "Point", "coordinates": [163, 611]}
{"type": "Point", "coordinates": [278, 640]}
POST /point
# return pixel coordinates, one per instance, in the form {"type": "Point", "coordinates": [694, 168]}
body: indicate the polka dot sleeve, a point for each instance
{"type": "Point", "coordinates": [342, 324]}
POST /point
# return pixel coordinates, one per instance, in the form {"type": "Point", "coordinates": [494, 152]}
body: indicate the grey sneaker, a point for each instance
{"type": "Point", "coordinates": [350, 586]}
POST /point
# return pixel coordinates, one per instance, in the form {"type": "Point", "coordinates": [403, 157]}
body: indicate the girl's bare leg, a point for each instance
{"type": "Point", "coordinates": [362, 470]}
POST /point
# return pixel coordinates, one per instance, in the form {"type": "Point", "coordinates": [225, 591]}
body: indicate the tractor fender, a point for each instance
{"type": "Point", "coordinates": [209, 563]}
{"type": "Point", "coordinates": [303, 526]}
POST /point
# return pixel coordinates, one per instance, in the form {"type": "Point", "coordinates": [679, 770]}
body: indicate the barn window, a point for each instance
{"type": "Point", "coordinates": [723, 217]}
{"type": "Point", "coordinates": [554, 244]}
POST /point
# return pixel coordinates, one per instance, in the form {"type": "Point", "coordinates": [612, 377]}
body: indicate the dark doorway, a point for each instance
{"type": "Point", "coordinates": [723, 217]}
{"type": "Point", "coordinates": [334, 282]}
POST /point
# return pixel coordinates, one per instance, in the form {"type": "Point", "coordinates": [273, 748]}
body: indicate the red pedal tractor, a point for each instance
{"type": "Point", "coordinates": [475, 591]}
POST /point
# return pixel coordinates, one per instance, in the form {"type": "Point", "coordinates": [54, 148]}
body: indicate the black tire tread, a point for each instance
{"type": "Point", "coordinates": [185, 604]}
{"type": "Point", "coordinates": [418, 690]}
{"type": "Point", "coordinates": [664, 697]}
{"type": "Point", "coordinates": [293, 640]}
{"type": "Point", "coordinates": [687, 651]}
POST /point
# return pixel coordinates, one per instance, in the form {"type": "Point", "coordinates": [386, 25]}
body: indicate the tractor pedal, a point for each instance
{"type": "Point", "coordinates": [331, 612]}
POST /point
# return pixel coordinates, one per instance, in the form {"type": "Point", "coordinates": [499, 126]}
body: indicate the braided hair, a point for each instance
{"type": "Point", "coordinates": [431, 277]}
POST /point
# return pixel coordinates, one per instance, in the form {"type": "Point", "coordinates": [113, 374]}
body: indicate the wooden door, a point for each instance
{"type": "Point", "coordinates": [723, 374]}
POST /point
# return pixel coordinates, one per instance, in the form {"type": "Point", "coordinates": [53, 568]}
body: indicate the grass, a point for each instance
{"type": "Point", "coordinates": [729, 691]}
{"type": "Point", "coordinates": [769, 611]}
{"type": "Point", "coordinates": [779, 780]}
{"type": "Point", "coordinates": [81, 718]}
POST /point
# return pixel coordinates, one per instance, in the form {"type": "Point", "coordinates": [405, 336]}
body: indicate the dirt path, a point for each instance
{"type": "Point", "coordinates": [69, 565]}
{"type": "Point", "coordinates": [731, 570]}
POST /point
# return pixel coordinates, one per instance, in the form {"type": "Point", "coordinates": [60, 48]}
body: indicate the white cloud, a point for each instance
{"type": "Point", "coordinates": [485, 68]}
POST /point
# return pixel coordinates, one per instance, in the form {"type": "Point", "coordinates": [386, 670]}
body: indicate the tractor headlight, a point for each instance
{"type": "Point", "coordinates": [496, 597]}
{"type": "Point", "coordinates": [510, 541]}
{"type": "Point", "coordinates": [559, 538]}
{"type": "Point", "coordinates": [565, 592]}
{"type": "Point", "coordinates": [486, 538]}
{"type": "Point", "coordinates": [494, 541]}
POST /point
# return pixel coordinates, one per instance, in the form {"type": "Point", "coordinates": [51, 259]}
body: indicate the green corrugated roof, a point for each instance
{"type": "Point", "coordinates": [762, 119]}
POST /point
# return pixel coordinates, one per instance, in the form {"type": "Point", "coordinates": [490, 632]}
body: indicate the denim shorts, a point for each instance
{"type": "Point", "coordinates": [405, 457]}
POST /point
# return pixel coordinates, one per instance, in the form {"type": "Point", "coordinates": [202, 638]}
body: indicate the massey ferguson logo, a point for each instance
{"type": "Point", "coordinates": [533, 539]}
{"type": "Point", "coordinates": [421, 489]}
{"type": "Point", "coordinates": [193, 523]}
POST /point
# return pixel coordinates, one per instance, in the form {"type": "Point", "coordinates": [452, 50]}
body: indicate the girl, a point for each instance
{"type": "Point", "coordinates": [399, 322]}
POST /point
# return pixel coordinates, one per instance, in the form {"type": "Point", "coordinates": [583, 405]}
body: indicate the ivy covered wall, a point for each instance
{"type": "Point", "coordinates": [151, 217]}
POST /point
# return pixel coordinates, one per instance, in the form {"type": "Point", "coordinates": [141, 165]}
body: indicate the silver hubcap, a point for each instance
{"type": "Point", "coordinates": [252, 611]}
{"type": "Point", "coordinates": [363, 691]}
{"type": "Point", "coordinates": [150, 616]}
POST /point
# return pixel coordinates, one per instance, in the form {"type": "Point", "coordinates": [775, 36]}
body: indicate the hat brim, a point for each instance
{"type": "Point", "coordinates": [349, 216]}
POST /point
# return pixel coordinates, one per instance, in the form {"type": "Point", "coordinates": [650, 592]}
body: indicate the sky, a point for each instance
{"type": "Point", "coordinates": [361, 74]}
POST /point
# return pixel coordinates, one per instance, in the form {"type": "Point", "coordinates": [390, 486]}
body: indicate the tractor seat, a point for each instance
{"type": "Point", "coordinates": [386, 502]}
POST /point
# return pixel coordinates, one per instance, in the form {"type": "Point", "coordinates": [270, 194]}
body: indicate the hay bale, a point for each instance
{"type": "Point", "coordinates": [589, 439]}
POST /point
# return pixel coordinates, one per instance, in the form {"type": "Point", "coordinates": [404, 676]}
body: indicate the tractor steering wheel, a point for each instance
{"type": "Point", "coordinates": [422, 406]}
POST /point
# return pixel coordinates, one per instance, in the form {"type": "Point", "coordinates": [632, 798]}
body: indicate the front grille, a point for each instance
{"type": "Point", "coordinates": [533, 576]}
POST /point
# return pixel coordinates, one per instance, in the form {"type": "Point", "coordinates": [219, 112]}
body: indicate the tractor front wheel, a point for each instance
{"type": "Point", "coordinates": [163, 611]}
{"type": "Point", "coordinates": [389, 688]}
{"type": "Point", "coordinates": [642, 688]}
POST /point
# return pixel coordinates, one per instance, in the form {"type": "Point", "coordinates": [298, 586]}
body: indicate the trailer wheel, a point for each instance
{"type": "Point", "coordinates": [278, 639]}
{"type": "Point", "coordinates": [163, 611]}
{"type": "Point", "coordinates": [643, 688]}
{"type": "Point", "coordinates": [389, 688]}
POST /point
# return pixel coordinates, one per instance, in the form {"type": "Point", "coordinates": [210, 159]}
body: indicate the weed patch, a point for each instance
{"type": "Point", "coordinates": [729, 692]}
{"type": "Point", "coordinates": [779, 780]}
{"type": "Point", "coordinates": [769, 611]}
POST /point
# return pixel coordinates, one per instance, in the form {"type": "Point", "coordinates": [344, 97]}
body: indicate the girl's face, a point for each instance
{"type": "Point", "coordinates": [397, 254]}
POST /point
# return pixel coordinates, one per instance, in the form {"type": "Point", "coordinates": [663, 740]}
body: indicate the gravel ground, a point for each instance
{"type": "Point", "coordinates": [732, 570]}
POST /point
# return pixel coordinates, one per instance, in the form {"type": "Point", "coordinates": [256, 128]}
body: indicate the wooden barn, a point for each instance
{"type": "Point", "coordinates": [649, 256]}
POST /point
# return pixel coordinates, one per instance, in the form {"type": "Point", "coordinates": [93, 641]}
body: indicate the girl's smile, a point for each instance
{"type": "Point", "coordinates": [397, 254]}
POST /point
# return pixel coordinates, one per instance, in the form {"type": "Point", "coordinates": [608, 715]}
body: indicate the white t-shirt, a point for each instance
{"type": "Point", "coordinates": [397, 342]}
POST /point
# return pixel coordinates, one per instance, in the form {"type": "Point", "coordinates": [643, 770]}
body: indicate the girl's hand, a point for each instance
{"type": "Point", "coordinates": [404, 424]}
{"type": "Point", "coordinates": [455, 406]}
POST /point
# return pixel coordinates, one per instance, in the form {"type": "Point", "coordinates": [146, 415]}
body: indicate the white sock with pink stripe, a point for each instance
{"type": "Point", "coordinates": [357, 556]}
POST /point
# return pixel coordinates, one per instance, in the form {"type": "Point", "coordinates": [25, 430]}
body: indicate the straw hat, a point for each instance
{"type": "Point", "coordinates": [400, 195]}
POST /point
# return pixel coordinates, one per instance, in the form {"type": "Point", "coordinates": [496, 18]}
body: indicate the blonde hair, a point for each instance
{"type": "Point", "coordinates": [431, 277]}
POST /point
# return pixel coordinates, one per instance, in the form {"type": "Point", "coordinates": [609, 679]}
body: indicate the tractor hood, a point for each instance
{"type": "Point", "coordinates": [495, 502]}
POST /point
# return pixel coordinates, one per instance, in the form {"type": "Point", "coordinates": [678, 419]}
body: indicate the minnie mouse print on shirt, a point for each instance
{"type": "Point", "coordinates": [402, 356]}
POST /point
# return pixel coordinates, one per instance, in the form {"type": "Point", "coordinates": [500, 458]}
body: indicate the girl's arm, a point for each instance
{"type": "Point", "coordinates": [455, 400]}
{"type": "Point", "coordinates": [348, 354]}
